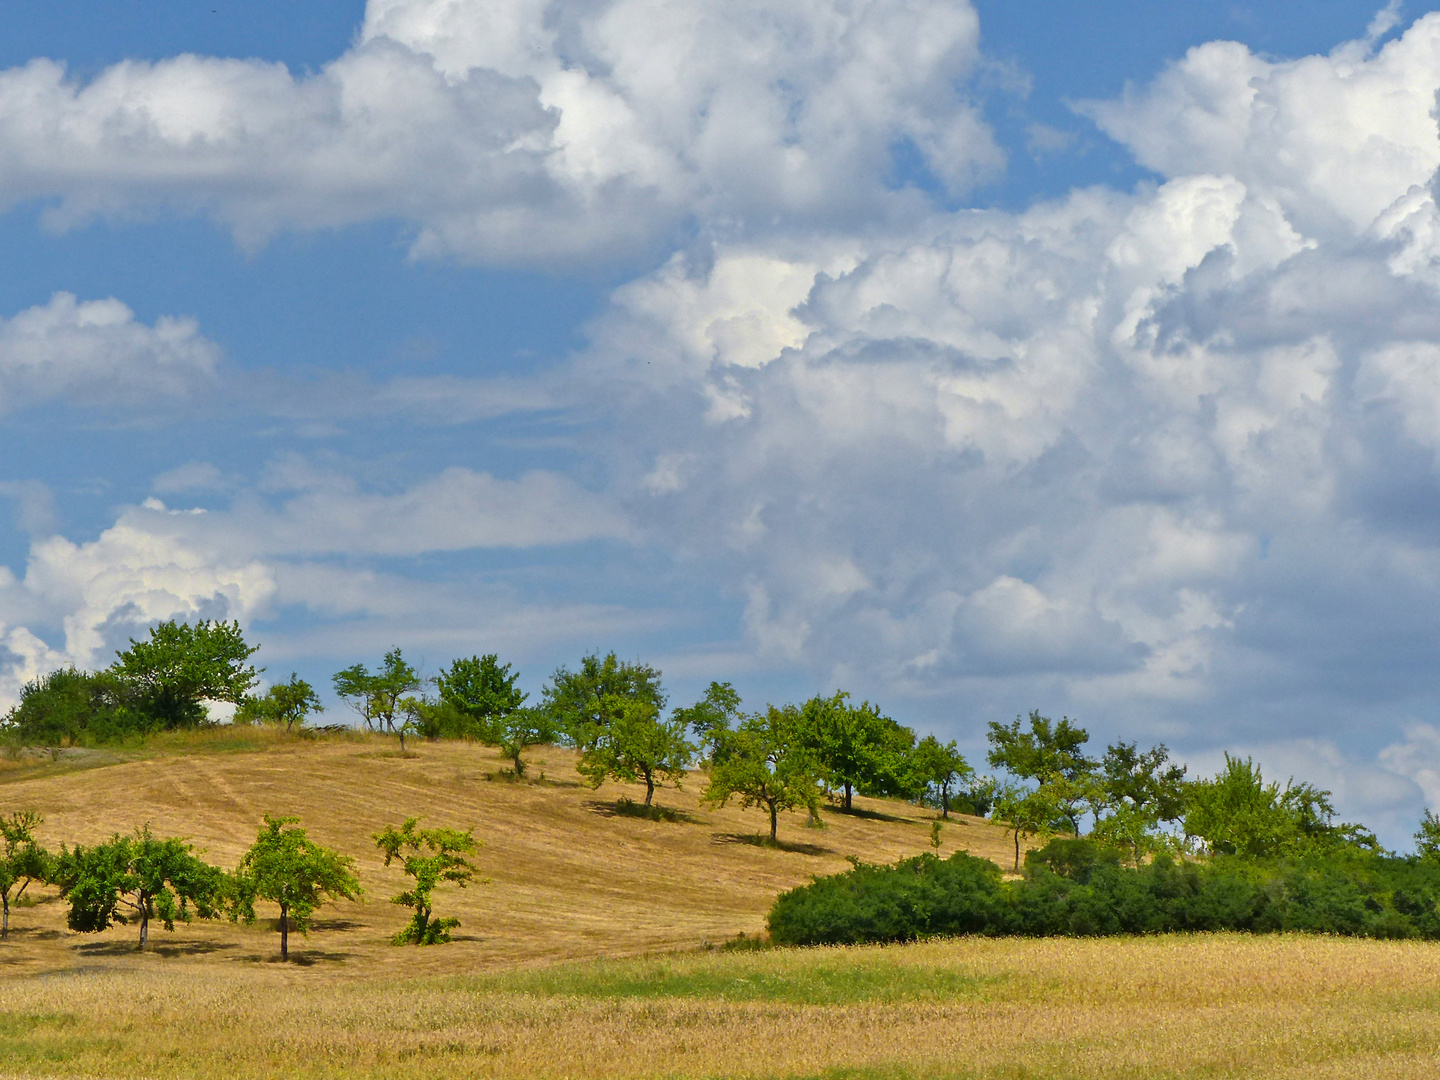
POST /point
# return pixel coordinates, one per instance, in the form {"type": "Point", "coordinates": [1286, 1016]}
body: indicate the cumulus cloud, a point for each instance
{"type": "Point", "coordinates": [96, 353]}
{"type": "Point", "coordinates": [517, 130]}
{"type": "Point", "coordinates": [1166, 457]}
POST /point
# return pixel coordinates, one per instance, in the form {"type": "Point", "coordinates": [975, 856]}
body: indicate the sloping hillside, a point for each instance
{"type": "Point", "coordinates": [569, 874]}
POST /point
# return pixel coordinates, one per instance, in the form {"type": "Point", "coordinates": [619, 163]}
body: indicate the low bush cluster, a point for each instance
{"type": "Point", "coordinates": [1078, 888]}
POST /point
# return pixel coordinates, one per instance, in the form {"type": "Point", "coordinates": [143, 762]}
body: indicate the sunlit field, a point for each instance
{"type": "Point", "coordinates": [605, 945]}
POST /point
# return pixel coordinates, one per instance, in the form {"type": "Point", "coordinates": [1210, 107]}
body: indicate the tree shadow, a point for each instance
{"type": "Point", "coordinates": [630, 809]}
{"type": "Point", "coordinates": [326, 925]}
{"type": "Point", "coordinates": [761, 841]}
{"type": "Point", "coordinates": [868, 815]}
{"type": "Point", "coordinates": [160, 948]}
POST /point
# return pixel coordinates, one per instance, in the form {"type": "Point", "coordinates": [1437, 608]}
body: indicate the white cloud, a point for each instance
{"type": "Point", "coordinates": [1332, 139]}
{"type": "Point", "coordinates": [96, 353]}
{"type": "Point", "coordinates": [523, 131]}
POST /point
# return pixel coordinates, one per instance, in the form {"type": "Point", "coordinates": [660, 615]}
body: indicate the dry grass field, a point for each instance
{"type": "Point", "coordinates": [584, 953]}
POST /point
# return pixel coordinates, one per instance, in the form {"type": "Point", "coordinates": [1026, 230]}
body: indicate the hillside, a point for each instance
{"type": "Point", "coordinates": [568, 875]}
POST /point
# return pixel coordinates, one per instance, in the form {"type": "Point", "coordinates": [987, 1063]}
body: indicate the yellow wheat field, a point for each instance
{"type": "Point", "coordinates": [585, 953]}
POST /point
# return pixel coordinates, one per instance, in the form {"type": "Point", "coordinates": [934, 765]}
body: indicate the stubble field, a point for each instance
{"type": "Point", "coordinates": [591, 950]}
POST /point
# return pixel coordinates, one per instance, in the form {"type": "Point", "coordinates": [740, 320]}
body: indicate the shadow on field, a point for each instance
{"type": "Point", "coordinates": [324, 925]}
{"type": "Point", "coordinates": [757, 840]}
{"type": "Point", "coordinates": [655, 812]}
{"type": "Point", "coordinates": [868, 815]}
{"type": "Point", "coordinates": [163, 948]}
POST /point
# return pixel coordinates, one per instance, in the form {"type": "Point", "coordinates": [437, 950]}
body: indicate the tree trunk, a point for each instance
{"type": "Point", "coordinates": [1017, 851]}
{"type": "Point", "coordinates": [5, 923]}
{"type": "Point", "coordinates": [649, 787]}
{"type": "Point", "coordinates": [848, 803]}
{"type": "Point", "coordinates": [284, 933]}
{"type": "Point", "coordinates": [774, 823]}
{"type": "Point", "coordinates": [402, 740]}
{"type": "Point", "coordinates": [144, 926]}
{"type": "Point", "coordinates": [945, 802]}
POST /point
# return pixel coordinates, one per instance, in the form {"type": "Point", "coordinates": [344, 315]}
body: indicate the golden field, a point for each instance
{"type": "Point", "coordinates": [584, 953]}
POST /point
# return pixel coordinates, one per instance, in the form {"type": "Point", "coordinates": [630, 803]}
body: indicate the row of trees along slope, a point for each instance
{"type": "Point", "coordinates": [778, 759]}
{"type": "Point", "coordinates": [142, 878]}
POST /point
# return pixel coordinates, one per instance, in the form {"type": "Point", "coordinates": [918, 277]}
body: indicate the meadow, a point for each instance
{"type": "Point", "coordinates": [604, 944]}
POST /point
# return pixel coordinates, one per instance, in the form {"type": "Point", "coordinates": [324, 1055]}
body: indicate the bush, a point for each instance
{"type": "Point", "coordinates": [1077, 888]}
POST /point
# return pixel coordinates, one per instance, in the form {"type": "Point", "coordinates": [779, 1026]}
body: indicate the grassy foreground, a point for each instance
{"type": "Point", "coordinates": [584, 954]}
{"type": "Point", "coordinates": [1143, 1008]}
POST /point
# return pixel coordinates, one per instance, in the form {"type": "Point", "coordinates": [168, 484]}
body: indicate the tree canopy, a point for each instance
{"type": "Point", "coordinates": [169, 676]}
{"type": "Point", "coordinates": [23, 861]}
{"type": "Point", "coordinates": [431, 857]}
{"type": "Point", "coordinates": [376, 697]}
{"type": "Point", "coordinates": [285, 867]}
{"type": "Point", "coordinates": [135, 879]}
{"type": "Point", "coordinates": [856, 747]}
{"type": "Point", "coordinates": [582, 704]}
{"type": "Point", "coordinates": [482, 688]}
{"type": "Point", "coordinates": [764, 762]}
{"type": "Point", "coordinates": [285, 704]}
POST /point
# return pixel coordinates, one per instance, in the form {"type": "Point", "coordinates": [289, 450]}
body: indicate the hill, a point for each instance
{"type": "Point", "coordinates": [570, 872]}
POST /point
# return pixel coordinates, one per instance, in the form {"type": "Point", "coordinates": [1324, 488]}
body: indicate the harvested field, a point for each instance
{"type": "Point", "coordinates": [585, 953]}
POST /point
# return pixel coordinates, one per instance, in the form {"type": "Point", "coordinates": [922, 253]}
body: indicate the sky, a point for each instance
{"type": "Point", "coordinates": [973, 358]}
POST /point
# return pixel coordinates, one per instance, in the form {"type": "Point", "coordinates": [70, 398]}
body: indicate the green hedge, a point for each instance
{"type": "Point", "coordinates": [1074, 888]}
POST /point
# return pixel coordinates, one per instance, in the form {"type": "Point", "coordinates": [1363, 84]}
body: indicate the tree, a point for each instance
{"type": "Point", "coordinates": [1025, 812]}
{"type": "Point", "coordinates": [764, 763]}
{"type": "Point", "coordinates": [138, 878]}
{"type": "Point", "coordinates": [940, 769]}
{"type": "Point", "coordinates": [430, 856]}
{"type": "Point", "coordinates": [712, 717]}
{"type": "Point", "coordinates": [285, 867]}
{"type": "Point", "coordinates": [169, 676]}
{"type": "Point", "coordinates": [1136, 793]}
{"type": "Point", "coordinates": [520, 729]}
{"type": "Point", "coordinates": [68, 705]}
{"type": "Point", "coordinates": [376, 697]}
{"type": "Point", "coordinates": [482, 688]}
{"type": "Point", "coordinates": [636, 745]}
{"type": "Point", "coordinates": [1050, 753]}
{"type": "Point", "coordinates": [22, 860]}
{"type": "Point", "coordinates": [1238, 813]}
{"type": "Point", "coordinates": [856, 747]}
{"type": "Point", "coordinates": [1427, 837]}
{"type": "Point", "coordinates": [582, 704]}
{"type": "Point", "coordinates": [285, 703]}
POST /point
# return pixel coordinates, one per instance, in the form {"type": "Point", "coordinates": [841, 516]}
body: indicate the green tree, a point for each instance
{"type": "Point", "coordinates": [138, 878]}
{"type": "Point", "coordinates": [520, 729]}
{"type": "Point", "coordinates": [1136, 793]}
{"type": "Point", "coordinates": [763, 762]}
{"type": "Point", "coordinates": [1427, 837]}
{"type": "Point", "coordinates": [430, 856]}
{"type": "Point", "coordinates": [1238, 813]}
{"type": "Point", "coordinates": [376, 697]}
{"type": "Point", "coordinates": [1025, 812]}
{"type": "Point", "coordinates": [68, 706]}
{"type": "Point", "coordinates": [940, 768]}
{"type": "Point", "coordinates": [856, 747]}
{"type": "Point", "coordinates": [285, 867]}
{"type": "Point", "coordinates": [22, 860]}
{"type": "Point", "coordinates": [287, 703]}
{"type": "Point", "coordinates": [636, 745]}
{"type": "Point", "coordinates": [482, 688]}
{"type": "Point", "coordinates": [582, 704]}
{"type": "Point", "coordinates": [170, 675]}
{"type": "Point", "coordinates": [712, 717]}
{"type": "Point", "coordinates": [1050, 753]}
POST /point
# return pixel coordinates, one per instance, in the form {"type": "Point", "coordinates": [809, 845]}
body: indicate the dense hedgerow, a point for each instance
{"type": "Point", "coordinates": [1076, 888]}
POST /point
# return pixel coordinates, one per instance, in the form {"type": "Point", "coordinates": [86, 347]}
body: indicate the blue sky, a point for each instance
{"type": "Point", "coordinates": [974, 359]}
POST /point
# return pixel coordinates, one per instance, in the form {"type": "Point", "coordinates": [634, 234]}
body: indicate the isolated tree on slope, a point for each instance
{"type": "Point", "coordinates": [285, 867]}
{"type": "Point", "coordinates": [636, 745]}
{"type": "Point", "coordinates": [764, 763]}
{"type": "Point", "coordinates": [940, 767]}
{"type": "Point", "coordinates": [482, 688]}
{"type": "Point", "coordinates": [431, 857]}
{"type": "Point", "coordinates": [287, 703]}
